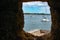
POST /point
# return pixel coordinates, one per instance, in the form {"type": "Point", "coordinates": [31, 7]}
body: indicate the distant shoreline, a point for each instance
{"type": "Point", "coordinates": [35, 14]}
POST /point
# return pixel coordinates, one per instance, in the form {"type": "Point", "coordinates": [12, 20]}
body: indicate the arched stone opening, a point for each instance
{"type": "Point", "coordinates": [35, 13]}
{"type": "Point", "coordinates": [55, 18]}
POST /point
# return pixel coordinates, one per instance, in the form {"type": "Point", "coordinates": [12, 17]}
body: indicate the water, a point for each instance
{"type": "Point", "coordinates": [33, 22]}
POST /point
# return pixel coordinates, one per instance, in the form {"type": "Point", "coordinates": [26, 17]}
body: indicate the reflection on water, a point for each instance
{"type": "Point", "coordinates": [33, 22]}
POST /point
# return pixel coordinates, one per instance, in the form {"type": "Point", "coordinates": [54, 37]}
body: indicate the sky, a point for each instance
{"type": "Point", "coordinates": [36, 7]}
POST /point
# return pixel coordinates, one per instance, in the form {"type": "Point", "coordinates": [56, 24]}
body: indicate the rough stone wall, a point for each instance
{"type": "Point", "coordinates": [12, 20]}
{"type": "Point", "coordinates": [33, 0]}
{"type": "Point", "coordinates": [20, 22]}
{"type": "Point", "coordinates": [8, 22]}
{"type": "Point", "coordinates": [20, 15]}
{"type": "Point", "coordinates": [55, 8]}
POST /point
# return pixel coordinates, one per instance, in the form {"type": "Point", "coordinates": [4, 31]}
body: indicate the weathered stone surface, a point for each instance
{"type": "Point", "coordinates": [55, 13]}
{"type": "Point", "coordinates": [8, 24]}
{"type": "Point", "coordinates": [20, 16]}
{"type": "Point", "coordinates": [32, 0]}
{"type": "Point", "coordinates": [55, 4]}
{"type": "Point", "coordinates": [12, 22]}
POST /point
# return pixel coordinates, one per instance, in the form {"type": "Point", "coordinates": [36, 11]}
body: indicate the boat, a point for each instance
{"type": "Point", "coordinates": [45, 20]}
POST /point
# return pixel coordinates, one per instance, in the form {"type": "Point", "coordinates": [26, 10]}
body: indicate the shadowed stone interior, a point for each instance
{"type": "Point", "coordinates": [12, 20]}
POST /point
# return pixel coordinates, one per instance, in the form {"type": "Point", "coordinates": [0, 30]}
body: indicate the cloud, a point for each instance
{"type": "Point", "coordinates": [36, 6]}
{"type": "Point", "coordinates": [38, 3]}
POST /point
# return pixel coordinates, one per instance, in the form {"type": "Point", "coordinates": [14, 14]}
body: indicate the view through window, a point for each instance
{"type": "Point", "coordinates": [36, 16]}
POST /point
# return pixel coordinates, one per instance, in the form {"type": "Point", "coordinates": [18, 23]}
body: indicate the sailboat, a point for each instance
{"type": "Point", "coordinates": [45, 19]}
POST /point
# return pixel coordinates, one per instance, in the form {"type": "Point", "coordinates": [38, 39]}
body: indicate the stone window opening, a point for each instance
{"type": "Point", "coordinates": [29, 16]}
